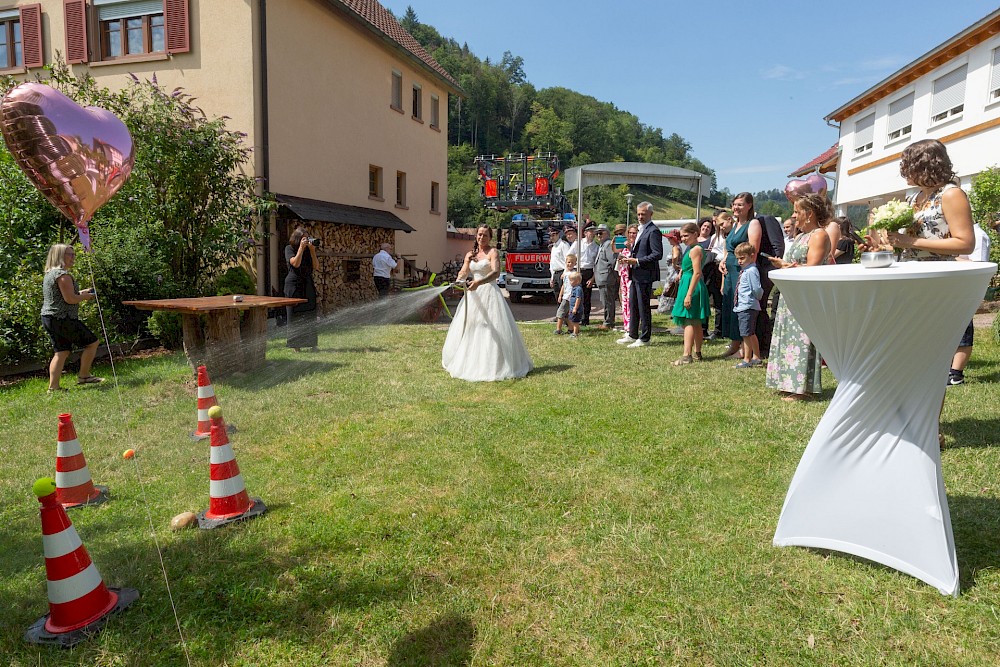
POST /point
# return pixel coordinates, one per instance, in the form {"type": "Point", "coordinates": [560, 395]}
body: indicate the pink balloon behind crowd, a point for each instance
{"type": "Point", "coordinates": [78, 157]}
{"type": "Point", "coordinates": [812, 184]}
{"type": "Point", "coordinates": [817, 184]}
{"type": "Point", "coordinates": [795, 188]}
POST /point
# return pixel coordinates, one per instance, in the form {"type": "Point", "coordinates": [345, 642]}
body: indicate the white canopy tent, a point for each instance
{"type": "Point", "coordinates": [638, 173]}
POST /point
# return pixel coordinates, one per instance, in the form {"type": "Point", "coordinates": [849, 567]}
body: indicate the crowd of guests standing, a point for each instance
{"type": "Point", "coordinates": [721, 264]}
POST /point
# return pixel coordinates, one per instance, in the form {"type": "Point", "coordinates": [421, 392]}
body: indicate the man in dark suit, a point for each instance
{"type": "Point", "coordinates": [645, 263]}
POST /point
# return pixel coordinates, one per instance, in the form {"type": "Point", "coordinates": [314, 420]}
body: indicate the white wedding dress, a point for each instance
{"type": "Point", "coordinates": [484, 344]}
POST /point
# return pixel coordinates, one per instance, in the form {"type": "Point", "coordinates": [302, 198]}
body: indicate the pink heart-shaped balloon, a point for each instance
{"type": "Point", "coordinates": [795, 188]}
{"type": "Point", "coordinates": [78, 157]}
{"type": "Point", "coordinates": [817, 184]}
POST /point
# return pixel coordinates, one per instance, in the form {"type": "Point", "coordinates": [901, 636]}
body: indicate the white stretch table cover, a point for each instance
{"type": "Point", "coordinates": [869, 482]}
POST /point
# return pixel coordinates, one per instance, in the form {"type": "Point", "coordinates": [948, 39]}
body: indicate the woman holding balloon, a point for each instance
{"type": "Point", "coordinates": [60, 317]}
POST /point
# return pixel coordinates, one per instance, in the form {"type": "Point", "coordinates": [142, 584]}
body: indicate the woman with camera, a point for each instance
{"type": "Point", "coordinates": [300, 254]}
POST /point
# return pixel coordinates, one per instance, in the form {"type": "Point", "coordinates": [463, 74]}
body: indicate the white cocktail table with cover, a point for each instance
{"type": "Point", "coordinates": [869, 482]}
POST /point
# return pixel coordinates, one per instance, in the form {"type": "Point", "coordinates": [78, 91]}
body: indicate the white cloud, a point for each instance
{"type": "Point", "coordinates": [783, 73]}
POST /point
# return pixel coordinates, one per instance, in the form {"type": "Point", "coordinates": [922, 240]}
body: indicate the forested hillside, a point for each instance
{"type": "Point", "coordinates": [503, 113]}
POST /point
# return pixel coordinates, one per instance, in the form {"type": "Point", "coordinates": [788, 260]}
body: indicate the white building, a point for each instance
{"type": "Point", "coordinates": [951, 93]}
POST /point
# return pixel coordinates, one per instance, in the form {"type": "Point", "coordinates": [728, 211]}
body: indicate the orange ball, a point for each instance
{"type": "Point", "coordinates": [129, 453]}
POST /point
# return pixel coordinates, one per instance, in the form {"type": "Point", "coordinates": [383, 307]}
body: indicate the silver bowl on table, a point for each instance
{"type": "Point", "coordinates": [877, 260]}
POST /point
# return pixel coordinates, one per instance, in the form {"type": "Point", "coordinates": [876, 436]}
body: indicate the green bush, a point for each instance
{"type": "Point", "coordinates": [166, 326]}
{"type": "Point", "coordinates": [235, 280]}
{"type": "Point", "coordinates": [126, 267]}
{"type": "Point", "coordinates": [21, 335]}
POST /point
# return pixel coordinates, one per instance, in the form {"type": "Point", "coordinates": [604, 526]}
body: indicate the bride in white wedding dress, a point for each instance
{"type": "Point", "coordinates": [483, 342]}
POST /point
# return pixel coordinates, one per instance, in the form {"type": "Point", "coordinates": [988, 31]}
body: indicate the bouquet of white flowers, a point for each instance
{"type": "Point", "coordinates": [891, 216]}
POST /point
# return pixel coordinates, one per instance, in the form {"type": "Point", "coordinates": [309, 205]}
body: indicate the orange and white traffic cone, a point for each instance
{"type": "Point", "coordinates": [206, 399]}
{"type": "Point", "coordinates": [228, 499]}
{"type": "Point", "coordinates": [74, 487]}
{"type": "Point", "coordinates": [79, 602]}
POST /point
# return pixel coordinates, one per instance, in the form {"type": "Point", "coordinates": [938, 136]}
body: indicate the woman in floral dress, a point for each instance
{"type": "Point", "coordinates": [625, 274]}
{"type": "Point", "coordinates": [794, 365]}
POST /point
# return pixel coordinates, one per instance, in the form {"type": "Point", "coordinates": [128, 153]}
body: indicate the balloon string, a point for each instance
{"type": "Point", "coordinates": [159, 553]}
{"type": "Point", "coordinates": [142, 487]}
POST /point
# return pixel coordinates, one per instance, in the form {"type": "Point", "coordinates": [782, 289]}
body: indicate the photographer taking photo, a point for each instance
{"type": "Point", "coordinates": [300, 254]}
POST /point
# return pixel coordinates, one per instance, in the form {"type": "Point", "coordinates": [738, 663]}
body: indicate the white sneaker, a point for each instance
{"type": "Point", "coordinates": [625, 340]}
{"type": "Point", "coordinates": [639, 343]}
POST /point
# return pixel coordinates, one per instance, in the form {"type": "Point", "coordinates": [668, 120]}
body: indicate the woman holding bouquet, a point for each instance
{"type": "Point", "coordinates": [942, 217]}
{"type": "Point", "coordinates": [794, 364]}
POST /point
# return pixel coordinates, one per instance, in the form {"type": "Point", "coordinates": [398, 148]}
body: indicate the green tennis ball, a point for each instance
{"type": "Point", "coordinates": [44, 487]}
{"type": "Point", "coordinates": [215, 412]}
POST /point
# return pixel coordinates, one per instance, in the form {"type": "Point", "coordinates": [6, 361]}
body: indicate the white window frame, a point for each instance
{"type": "Point", "coordinates": [948, 98]}
{"type": "Point", "coordinates": [899, 123]}
{"type": "Point", "coordinates": [993, 94]}
{"type": "Point", "coordinates": [863, 143]}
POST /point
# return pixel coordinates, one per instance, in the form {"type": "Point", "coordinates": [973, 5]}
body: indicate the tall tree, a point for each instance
{"type": "Point", "coordinates": [547, 132]}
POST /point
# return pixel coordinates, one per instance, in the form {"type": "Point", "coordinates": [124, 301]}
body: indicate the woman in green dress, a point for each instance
{"type": "Point", "coordinates": [691, 306]}
{"type": "Point", "coordinates": [794, 365]}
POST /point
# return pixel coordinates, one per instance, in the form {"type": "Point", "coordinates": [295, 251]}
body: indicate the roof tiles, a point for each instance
{"type": "Point", "coordinates": [380, 18]}
{"type": "Point", "coordinates": [818, 161]}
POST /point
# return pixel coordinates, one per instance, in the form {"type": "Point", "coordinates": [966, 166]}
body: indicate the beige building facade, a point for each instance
{"type": "Point", "coordinates": [341, 105]}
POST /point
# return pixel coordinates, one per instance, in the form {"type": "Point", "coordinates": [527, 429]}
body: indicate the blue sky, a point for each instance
{"type": "Point", "coordinates": [747, 84]}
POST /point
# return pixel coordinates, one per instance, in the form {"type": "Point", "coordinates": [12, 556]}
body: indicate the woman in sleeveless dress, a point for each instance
{"type": "Point", "coordinates": [691, 307]}
{"type": "Point", "coordinates": [483, 341]}
{"type": "Point", "coordinates": [942, 222]}
{"type": "Point", "coordinates": [746, 229]}
{"type": "Point", "coordinates": [794, 366]}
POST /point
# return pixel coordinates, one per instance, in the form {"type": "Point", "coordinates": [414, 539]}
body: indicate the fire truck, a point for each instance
{"type": "Point", "coordinates": [525, 183]}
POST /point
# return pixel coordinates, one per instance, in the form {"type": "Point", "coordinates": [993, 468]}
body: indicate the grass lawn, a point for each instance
{"type": "Point", "coordinates": [415, 519]}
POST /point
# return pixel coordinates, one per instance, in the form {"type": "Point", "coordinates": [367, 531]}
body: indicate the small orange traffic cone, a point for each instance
{"type": "Point", "coordinates": [74, 487]}
{"type": "Point", "coordinates": [206, 399]}
{"type": "Point", "coordinates": [79, 602]}
{"type": "Point", "coordinates": [228, 499]}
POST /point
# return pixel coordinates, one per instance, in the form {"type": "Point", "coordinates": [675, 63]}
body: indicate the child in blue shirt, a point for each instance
{"type": "Point", "coordinates": [748, 293]}
{"type": "Point", "coordinates": [575, 302]}
{"type": "Point", "coordinates": [562, 312]}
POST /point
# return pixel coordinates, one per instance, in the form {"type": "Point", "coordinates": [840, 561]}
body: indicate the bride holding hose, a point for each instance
{"type": "Point", "coordinates": [483, 341]}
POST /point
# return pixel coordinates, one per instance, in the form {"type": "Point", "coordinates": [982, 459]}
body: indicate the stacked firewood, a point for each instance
{"type": "Point", "coordinates": [344, 275]}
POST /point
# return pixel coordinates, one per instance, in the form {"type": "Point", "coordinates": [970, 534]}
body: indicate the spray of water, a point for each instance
{"type": "Point", "coordinates": [369, 318]}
